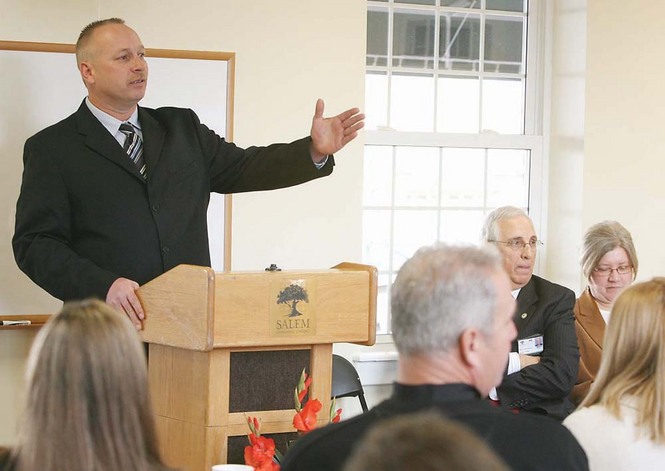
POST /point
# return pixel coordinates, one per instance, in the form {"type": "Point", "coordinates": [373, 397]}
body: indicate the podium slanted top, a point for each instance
{"type": "Point", "coordinates": [195, 308]}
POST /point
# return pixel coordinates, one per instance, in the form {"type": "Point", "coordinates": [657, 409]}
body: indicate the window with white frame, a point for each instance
{"type": "Point", "coordinates": [452, 128]}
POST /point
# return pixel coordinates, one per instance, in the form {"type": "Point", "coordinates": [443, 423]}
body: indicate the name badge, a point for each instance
{"type": "Point", "coordinates": [530, 345]}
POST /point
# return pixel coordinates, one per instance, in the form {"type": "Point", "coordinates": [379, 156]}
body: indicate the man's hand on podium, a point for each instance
{"type": "Point", "coordinates": [122, 296]}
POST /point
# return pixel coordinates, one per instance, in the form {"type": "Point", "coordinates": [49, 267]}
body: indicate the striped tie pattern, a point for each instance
{"type": "Point", "coordinates": [134, 146]}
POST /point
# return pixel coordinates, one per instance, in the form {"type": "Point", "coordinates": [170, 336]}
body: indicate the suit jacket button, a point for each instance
{"type": "Point", "coordinates": [165, 249]}
{"type": "Point", "coordinates": [155, 207]}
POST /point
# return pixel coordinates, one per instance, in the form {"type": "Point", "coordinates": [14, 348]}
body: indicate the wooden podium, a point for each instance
{"type": "Point", "coordinates": [228, 345]}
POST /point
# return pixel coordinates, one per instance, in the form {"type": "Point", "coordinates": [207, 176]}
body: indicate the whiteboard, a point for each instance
{"type": "Point", "coordinates": [40, 85]}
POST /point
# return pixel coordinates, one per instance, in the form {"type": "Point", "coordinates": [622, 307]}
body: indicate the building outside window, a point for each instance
{"type": "Point", "coordinates": [452, 129]}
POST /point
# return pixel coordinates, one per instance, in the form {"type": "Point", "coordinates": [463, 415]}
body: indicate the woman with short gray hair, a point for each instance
{"type": "Point", "coordinates": [609, 264]}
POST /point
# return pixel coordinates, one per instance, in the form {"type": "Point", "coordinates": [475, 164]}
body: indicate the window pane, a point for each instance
{"type": "Point", "coordinates": [503, 105]}
{"type": "Point", "coordinates": [463, 177]}
{"type": "Point", "coordinates": [504, 45]}
{"type": "Point", "coordinates": [508, 177]}
{"type": "Point", "coordinates": [417, 176]}
{"type": "Point", "coordinates": [383, 304]}
{"type": "Point", "coordinates": [461, 226]}
{"type": "Point", "coordinates": [461, 3]}
{"type": "Point", "coordinates": [377, 176]}
{"type": "Point", "coordinates": [458, 105]}
{"type": "Point", "coordinates": [376, 238]}
{"type": "Point", "coordinates": [459, 41]}
{"type": "Point", "coordinates": [416, 191]}
{"type": "Point", "coordinates": [418, 228]}
{"type": "Point", "coordinates": [377, 37]}
{"type": "Point", "coordinates": [413, 39]}
{"type": "Point", "coordinates": [376, 100]}
{"type": "Point", "coordinates": [412, 102]}
{"type": "Point", "coordinates": [417, 2]}
{"type": "Point", "coordinates": [505, 5]}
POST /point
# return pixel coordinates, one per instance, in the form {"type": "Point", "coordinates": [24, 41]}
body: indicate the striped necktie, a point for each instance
{"type": "Point", "coordinates": [134, 146]}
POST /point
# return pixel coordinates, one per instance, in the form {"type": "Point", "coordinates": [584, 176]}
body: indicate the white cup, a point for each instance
{"type": "Point", "coordinates": [232, 467]}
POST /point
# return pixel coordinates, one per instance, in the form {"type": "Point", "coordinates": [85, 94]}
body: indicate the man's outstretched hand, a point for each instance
{"type": "Point", "coordinates": [329, 135]}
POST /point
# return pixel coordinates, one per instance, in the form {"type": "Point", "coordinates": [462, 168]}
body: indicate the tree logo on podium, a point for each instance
{"type": "Point", "coordinates": [292, 295]}
{"type": "Point", "coordinates": [293, 305]}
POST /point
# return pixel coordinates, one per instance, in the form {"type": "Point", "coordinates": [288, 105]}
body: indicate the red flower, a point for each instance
{"type": "Point", "coordinates": [337, 416]}
{"type": "Point", "coordinates": [301, 389]}
{"type": "Point", "coordinates": [303, 392]}
{"type": "Point", "coordinates": [254, 426]}
{"type": "Point", "coordinates": [260, 453]}
{"type": "Point", "coordinates": [305, 420]}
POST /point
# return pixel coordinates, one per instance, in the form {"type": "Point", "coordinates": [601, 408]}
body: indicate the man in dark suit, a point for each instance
{"type": "Point", "coordinates": [543, 363]}
{"type": "Point", "coordinates": [452, 323]}
{"type": "Point", "coordinates": [116, 194]}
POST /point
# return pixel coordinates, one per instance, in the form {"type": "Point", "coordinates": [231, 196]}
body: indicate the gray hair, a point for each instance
{"type": "Point", "coordinates": [602, 238]}
{"type": "Point", "coordinates": [488, 232]}
{"type": "Point", "coordinates": [439, 293]}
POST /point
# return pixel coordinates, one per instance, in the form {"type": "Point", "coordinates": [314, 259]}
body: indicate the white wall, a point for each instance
{"type": "Point", "coordinates": [288, 53]}
{"type": "Point", "coordinates": [14, 348]}
{"type": "Point", "coordinates": [624, 164]}
{"type": "Point", "coordinates": [564, 138]}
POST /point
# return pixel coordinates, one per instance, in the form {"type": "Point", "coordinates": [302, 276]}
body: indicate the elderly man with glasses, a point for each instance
{"type": "Point", "coordinates": [542, 366]}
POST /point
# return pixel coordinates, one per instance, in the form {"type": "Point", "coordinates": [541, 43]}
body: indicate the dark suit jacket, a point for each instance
{"type": "Point", "coordinates": [544, 388]}
{"type": "Point", "coordinates": [523, 441]}
{"type": "Point", "coordinates": [590, 330]}
{"type": "Point", "coordinates": [85, 216]}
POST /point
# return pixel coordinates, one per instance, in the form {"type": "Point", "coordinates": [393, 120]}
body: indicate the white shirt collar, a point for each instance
{"type": "Point", "coordinates": [111, 123]}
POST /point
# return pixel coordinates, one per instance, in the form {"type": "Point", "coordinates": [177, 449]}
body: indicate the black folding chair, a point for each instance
{"type": "Point", "coordinates": [346, 382]}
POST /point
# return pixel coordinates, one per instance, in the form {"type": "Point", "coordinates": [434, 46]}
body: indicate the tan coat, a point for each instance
{"type": "Point", "coordinates": [590, 330]}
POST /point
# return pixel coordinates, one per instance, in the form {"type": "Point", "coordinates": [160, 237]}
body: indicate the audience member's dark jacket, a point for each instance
{"type": "Point", "coordinates": [524, 441]}
{"type": "Point", "coordinates": [544, 308]}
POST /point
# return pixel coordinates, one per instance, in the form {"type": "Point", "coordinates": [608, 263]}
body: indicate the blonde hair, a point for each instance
{"type": "Point", "coordinates": [88, 406]}
{"type": "Point", "coordinates": [633, 361]}
{"type": "Point", "coordinates": [602, 238]}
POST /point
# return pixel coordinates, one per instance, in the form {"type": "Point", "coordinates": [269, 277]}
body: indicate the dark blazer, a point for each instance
{"type": "Point", "coordinates": [544, 308]}
{"type": "Point", "coordinates": [85, 216]}
{"type": "Point", "coordinates": [590, 330]}
{"type": "Point", "coordinates": [523, 441]}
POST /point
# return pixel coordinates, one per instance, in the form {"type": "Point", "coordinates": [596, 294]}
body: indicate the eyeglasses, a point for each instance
{"type": "Point", "coordinates": [519, 244]}
{"type": "Point", "coordinates": [606, 271]}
